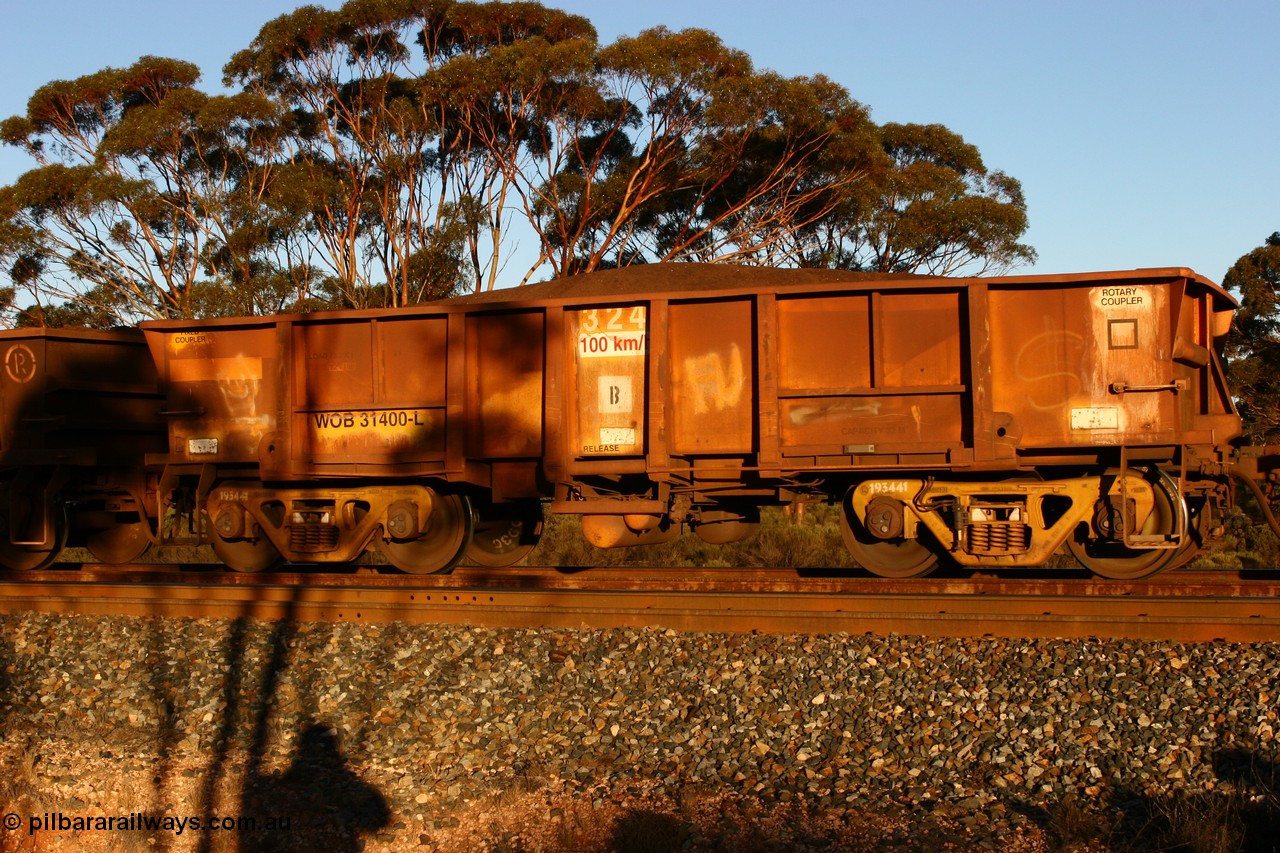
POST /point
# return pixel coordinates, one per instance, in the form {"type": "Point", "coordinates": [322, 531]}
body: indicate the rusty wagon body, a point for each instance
{"type": "Point", "coordinates": [77, 421]}
{"type": "Point", "coordinates": [987, 421]}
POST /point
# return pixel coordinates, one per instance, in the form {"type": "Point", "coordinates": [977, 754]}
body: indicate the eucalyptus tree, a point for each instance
{"type": "Point", "coordinates": [506, 73]}
{"type": "Point", "coordinates": [391, 151]}
{"type": "Point", "coordinates": [677, 149]}
{"type": "Point", "coordinates": [356, 150]}
{"type": "Point", "coordinates": [400, 192]}
{"type": "Point", "coordinates": [1253, 346]}
{"type": "Point", "coordinates": [143, 202]}
{"type": "Point", "coordinates": [790, 153]}
{"type": "Point", "coordinates": [930, 206]}
{"type": "Point", "coordinates": [940, 209]}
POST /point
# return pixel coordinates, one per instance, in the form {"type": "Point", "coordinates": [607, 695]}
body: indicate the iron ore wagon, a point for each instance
{"type": "Point", "coordinates": [77, 421]}
{"type": "Point", "coordinates": [991, 422]}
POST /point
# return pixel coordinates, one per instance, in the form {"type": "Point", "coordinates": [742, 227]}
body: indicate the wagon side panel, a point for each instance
{"type": "Point", "coordinates": [505, 357]}
{"type": "Point", "coordinates": [1083, 365]}
{"type": "Point", "coordinates": [872, 378]}
{"type": "Point", "coordinates": [369, 395]}
{"type": "Point", "coordinates": [609, 379]}
{"type": "Point", "coordinates": [711, 352]}
{"type": "Point", "coordinates": [77, 397]}
{"type": "Point", "coordinates": [223, 389]}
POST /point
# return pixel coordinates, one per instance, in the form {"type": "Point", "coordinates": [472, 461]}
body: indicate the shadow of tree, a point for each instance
{"type": "Point", "coordinates": [1244, 767]}
{"type": "Point", "coordinates": [1241, 817]}
{"type": "Point", "coordinates": [319, 802]}
{"type": "Point", "coordinates": [10, 793]}
{"type": "Point", "coordinates": [6, 680]}
{"type": "Point", "coordinates": [232, 691]}
{"type": "Point", "coordinates": [168, 734]}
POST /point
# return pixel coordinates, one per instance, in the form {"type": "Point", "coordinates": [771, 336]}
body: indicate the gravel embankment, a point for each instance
{"type": "Point", "coordinates": [539, 739]}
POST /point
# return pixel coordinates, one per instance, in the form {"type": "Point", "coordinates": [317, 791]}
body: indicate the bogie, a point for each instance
{"type": "Point", "coordinates": [1122, 525]}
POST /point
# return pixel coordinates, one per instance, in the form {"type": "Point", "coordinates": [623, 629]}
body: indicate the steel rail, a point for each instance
{"type": "Point", "coordinates": [1222, 582]}
{"type": "Point", "coordinates": [745, 600]}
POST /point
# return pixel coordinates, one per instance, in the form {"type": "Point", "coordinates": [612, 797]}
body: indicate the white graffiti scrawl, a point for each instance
{"type": "Point", "coordinates": [712, 384]}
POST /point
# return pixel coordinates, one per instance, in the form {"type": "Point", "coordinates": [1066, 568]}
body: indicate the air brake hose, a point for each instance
{"type": "Point", "coordinates": [1259, 495]}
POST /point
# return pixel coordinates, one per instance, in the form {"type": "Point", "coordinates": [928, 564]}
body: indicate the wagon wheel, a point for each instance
{"type": "Point", "coordinates": [122, 542]}
{"type": "Point", "coordinates": [24, 557]}
{"type": "Point", "coordinates": [438, 549]}
{"type": "Point", "coordinates": [505, 534]}
{"type": "Point", "coordinates": [1115, 561]}
{"type": "Point", "coordinates": [888, 558]}
{"type": "Point", "coordinates": [246, 555]}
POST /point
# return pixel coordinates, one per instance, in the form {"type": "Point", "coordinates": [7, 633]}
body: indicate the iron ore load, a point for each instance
{"type": "Point", "coordinates": [984, 422]}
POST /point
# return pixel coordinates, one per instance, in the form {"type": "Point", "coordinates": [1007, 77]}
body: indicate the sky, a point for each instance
{"type": "Point", "coordinates": [1146, 133]}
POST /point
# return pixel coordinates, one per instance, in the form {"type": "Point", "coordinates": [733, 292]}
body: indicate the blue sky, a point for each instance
{"type": "Point", "coordinates": [1144, 133]}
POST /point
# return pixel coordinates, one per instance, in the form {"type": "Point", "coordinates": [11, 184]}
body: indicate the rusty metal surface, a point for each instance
{"type": "Point", "coordinates": [877, 372]}
{"type": "Point", "coordinates": [305, 396]}
{"type": "Point", "coordinates": [910, 352]}
{"type": "Point", "coordinates": [857, 370]}
{"type": "Point", "coordinates": [369, 393]}
{"type": "Point", "coordinates": [222, 386]}
{"type": "Point", "coordinates": [1061, 353]}
{"type": "Point", "coordinates": [1199, 608]}
{"type": "Point", "coordinates": [505, 365]}
{"type": "Point", "coordinates": [711, 368]}
{"type": "Point", "coordinates": [686, 279]}
{"type": "Point", "coordinates": [608, 380]}
{"type": "Point", "coordinates": [711, 389]}
{"type": "Point", "coordinates": [1206, 583]}
{"type": "Point", "coordinates": [841, 370]}
{"type": "Point", "coordinates": [77, 396]}
{"type": "Point", "coordinates": [77, 421]}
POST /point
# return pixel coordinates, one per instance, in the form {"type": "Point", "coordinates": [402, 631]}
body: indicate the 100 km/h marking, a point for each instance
{"type": "Point", "coordinates": [614, 343]}
{"type": "Point", "coordinates": [606, 332]}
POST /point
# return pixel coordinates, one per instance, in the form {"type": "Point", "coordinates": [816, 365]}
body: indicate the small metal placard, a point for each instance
{"type": "Point", "coordinates": [202, 445]}
{"type": "Point", "coordinates": [617, 435]}
{"type": "Point", "coordinates": [1095, 417]}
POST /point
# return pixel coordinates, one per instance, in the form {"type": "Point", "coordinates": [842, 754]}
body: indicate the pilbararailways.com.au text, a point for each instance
{"type": "Point", "coordinates": [141, 822]}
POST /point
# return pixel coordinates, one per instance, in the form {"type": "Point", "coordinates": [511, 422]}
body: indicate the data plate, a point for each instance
{"type": "Point", "coordinates": [1095, 417]}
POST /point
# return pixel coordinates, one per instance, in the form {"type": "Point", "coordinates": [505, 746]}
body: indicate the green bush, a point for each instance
{"type": "Point", "coordinates": [781, 541]}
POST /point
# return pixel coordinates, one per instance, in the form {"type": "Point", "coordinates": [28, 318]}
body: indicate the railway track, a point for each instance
{"type": "Point", "coordinates": [1181, 606]}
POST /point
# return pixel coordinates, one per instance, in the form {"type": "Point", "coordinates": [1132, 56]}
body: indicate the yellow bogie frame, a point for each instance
{"type": "Point", "coordinates": [1022, 522]}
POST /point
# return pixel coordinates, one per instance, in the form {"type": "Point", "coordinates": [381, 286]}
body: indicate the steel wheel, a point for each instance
{"type": "Point", "coordinates": [246, 555]}
{"type": "Point", "coordinates": [1115, 561]}
{"type": "Point", "coordinates": [121, 543]}
{"type": "Point", "coordinates": [888, 558]}
{"type": "Point", "coordinates": [441, 546]}
{"type": "Point", "coordinates": [505, 534]}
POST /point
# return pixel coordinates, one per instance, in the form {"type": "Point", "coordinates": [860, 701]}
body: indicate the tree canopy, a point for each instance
{"type": "Point", "coordinates": [1253, 346]}
{"type": "Point", "coordinates": [393, 151]}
